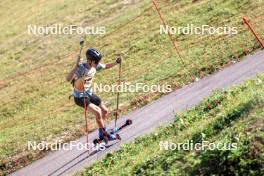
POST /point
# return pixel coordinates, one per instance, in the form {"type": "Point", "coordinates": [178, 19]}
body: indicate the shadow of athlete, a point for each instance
{"type": "Point", "coordinates": [70, 164]}
{"type": "Point", "coordinates": [81, 77]}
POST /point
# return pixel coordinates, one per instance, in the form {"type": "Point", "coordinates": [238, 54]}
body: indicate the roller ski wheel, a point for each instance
{"type": "Point", "coordinates": [128, 122]}
{"type": "Point", "coordinates": [96, 141]}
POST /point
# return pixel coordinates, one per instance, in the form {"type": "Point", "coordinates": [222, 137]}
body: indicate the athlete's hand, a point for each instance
{"type": "Point", "coordinates": [118, 60]}
{"type": "Point", "coordinates": [117, 112]}
{"type": "Point", "coordinates": [78, 58]}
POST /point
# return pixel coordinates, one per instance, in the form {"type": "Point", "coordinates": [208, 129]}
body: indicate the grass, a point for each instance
{"type": "Point", "coordinates": [34, 95]}
{"type": "Point", "coordinates": [233, 116]}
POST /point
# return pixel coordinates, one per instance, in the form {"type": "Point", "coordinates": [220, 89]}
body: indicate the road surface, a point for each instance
{"type": "Point", "coordinates": [147, 118]}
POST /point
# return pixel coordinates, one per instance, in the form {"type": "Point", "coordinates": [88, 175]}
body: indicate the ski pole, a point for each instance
{"type": "Point", "coordinates": [85, 117]}
{"type": "Point", "coordinates": [84, 99]}
{"type": "Point", "coordinates": [117, 98]}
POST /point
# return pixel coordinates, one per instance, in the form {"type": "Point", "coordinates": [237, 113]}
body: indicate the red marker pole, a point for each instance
{"type": "Point", "coordinates": [253, 31]}
{"type": "Point", "coordinates": [164, 24]}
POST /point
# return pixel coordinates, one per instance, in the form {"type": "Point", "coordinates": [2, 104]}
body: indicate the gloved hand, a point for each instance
{"type": "Point", "coordinates": [118, 60]}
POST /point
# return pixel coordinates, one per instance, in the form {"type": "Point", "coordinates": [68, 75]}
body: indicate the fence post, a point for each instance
{"type": "Point", "coordinates": [164, 24]}
{"type": "Point", "coordinates": [253, 31]}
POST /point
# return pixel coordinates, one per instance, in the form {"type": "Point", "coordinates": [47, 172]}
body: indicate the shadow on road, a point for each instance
{"type": "Point", "coordinates": [72, 160]}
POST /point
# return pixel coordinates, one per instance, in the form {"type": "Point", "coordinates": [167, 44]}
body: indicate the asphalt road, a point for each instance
{"type": "Point", "coordinates": [147, 118]}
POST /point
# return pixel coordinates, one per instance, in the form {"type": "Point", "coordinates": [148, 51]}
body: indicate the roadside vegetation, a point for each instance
{"type": "Point", "coordinates": [234, 116]}
{"type": "Point", "coordinates": [34, 95]}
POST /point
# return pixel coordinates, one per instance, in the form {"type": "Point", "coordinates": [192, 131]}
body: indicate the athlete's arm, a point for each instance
{"type": "Point", "coordinates": [71, 74]}
{"type": "Point", "coordinates": [110, 65]}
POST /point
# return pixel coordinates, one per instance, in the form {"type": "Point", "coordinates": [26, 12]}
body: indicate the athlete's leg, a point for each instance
{"type": "Point", "coordinates": [98, 102]}
{"type": "Point", "coordinates": [98, 114]}
{"type": "Point", "coordinates": [104, 111]}
{"type": "Point", "coordinates": [95, 109]}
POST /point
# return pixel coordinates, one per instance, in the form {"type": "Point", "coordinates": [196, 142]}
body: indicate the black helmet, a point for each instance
{"type": "Point", "coordinates": [94, 55]}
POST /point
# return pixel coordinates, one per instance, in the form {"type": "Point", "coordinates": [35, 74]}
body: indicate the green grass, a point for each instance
{"type": "Point", "coordinates": [33, 92]}
{"type": "Point", "coordinates": [230, 116]}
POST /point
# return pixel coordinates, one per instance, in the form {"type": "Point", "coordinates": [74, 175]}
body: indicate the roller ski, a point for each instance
{"type": "Point", "coordinates": [110, 135]}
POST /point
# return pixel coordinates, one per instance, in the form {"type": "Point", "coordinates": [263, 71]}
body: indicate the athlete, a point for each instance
{"type": "Point", "coordinates": [81, 77]}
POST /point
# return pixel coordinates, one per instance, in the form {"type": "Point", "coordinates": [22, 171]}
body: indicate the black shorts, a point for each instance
{"type": "Point", "coordinates": [91, 99]}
